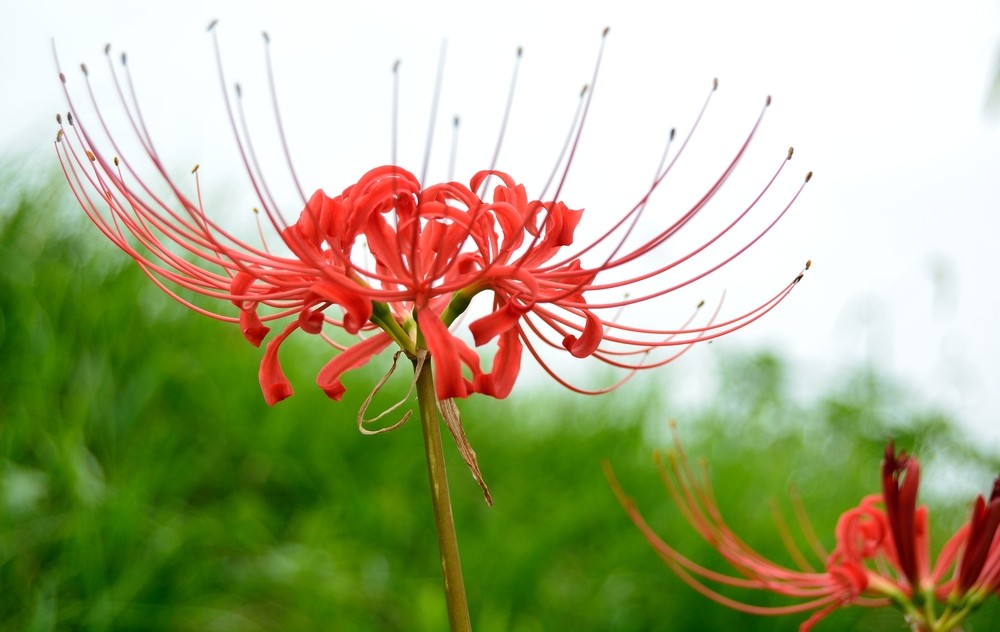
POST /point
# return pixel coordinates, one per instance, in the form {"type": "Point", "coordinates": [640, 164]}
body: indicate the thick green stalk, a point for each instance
{"type": "Point", "coordinates": [444, 522]}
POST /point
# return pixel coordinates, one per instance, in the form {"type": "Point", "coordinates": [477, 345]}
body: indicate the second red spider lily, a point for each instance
{"type": "Point", "coordinates": [393, 260]}
{"type": "Point", "coordinates": [881, 558]}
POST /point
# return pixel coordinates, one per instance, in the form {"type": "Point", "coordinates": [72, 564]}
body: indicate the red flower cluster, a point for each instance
{"type": "Point", "coordinates": [881, 557]}
{"type": "Point", "coordinates": [393, 260]}
{"type": "Point", "coordinates": [884, 544]}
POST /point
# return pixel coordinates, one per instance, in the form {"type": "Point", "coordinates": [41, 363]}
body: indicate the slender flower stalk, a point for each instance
{"type": "Point", "coordinates": [444, 521]}
{"type": "Point", "coordinates": [881, 556]}
{"type": "Point", "coordinates": [392, 261]}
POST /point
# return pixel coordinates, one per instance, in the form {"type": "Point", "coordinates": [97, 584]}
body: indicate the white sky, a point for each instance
{"type": "Point", "coordinates": [883, 100]}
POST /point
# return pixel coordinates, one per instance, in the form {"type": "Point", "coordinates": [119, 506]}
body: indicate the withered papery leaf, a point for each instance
{"type": "Point", "coordinates": [454, 422]}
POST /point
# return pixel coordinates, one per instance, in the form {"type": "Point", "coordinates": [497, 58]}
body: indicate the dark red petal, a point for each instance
{"type": "Point", "coordinates": [983, 526]}
{"type": "Point", "coordinates": [900, 482]}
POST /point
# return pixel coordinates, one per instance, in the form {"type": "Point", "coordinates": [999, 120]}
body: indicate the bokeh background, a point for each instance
{"type": "Point", "coordinates": [145, 485]}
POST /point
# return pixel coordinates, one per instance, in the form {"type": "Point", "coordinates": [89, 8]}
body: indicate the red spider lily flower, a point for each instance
{"type": "Point", "coordinates": [393, 260]}
{"type": "Point", "coordinates": [881, 557]}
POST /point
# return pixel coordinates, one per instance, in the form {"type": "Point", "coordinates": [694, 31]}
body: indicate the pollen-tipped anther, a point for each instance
{"type": "Point", "coordinates": [767, 101]}
{"type": "Point", "coordinates": [715, 83]}
{"type": "Point", "coordinates": [604, 33]}
{"type": "Point", "coordinates": [791, 150]}
{"type": "Point", "coordinates": [267, 38]}
{"type": "Point", "coordinates": [195, 169]}
{"type": "Point", "coordinates": [211, 25]}
{"type": "Point", "coordinates": [107, 48]}
{"type": "Point", "coordinates": [83, 67]}
{"type": "Point", "coordinates": [809, 176]}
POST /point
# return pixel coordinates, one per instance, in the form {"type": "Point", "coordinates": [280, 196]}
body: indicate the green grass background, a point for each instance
{"type": "Point", "coordinates": [145, 485]}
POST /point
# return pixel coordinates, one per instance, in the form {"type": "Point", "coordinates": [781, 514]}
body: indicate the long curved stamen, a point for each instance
{"type": "Point", "coordinates": [278, 119]}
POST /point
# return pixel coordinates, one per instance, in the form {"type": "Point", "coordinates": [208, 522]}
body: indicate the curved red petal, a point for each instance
{"type": "Point", "coordinates": [273, 382]}
{"type": "Point", "coordinates": [494, 324]}
{"type": "Point", "coordinates": [350, 358]}
{"type": "Point", "coordinates": [311, 321]}
{"type": "Point", "coordinates": [500, 381]}
{"type": "Point", "coordinates": [446, 356]}
{"type": "Point", "coordinates": [357, 307]}
{"type": "Point", "coordinates": [589, 339]}
{"type": "Point", "coordinates": [252, 327]}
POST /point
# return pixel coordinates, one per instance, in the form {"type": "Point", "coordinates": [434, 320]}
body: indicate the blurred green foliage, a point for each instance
{"type": "Point", "coordinates": [145, 485]}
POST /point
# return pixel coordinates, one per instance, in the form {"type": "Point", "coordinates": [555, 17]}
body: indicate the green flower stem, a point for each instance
{"type": "Point", "coordinates": [382, 317]}
{"type": "Point", "coordinates": [444, 522]}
